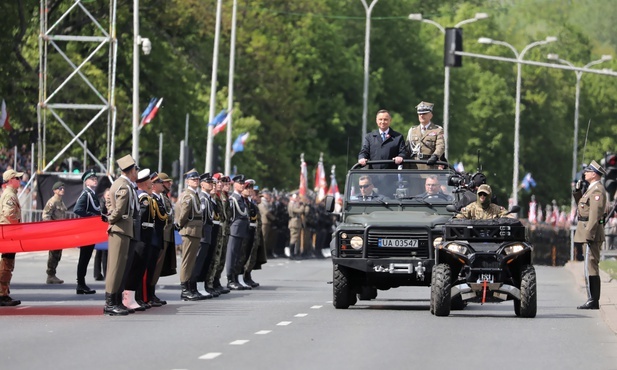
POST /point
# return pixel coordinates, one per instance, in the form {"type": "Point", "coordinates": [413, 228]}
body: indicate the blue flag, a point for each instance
{"type": "Point", "coordinates": [219, 118]}
{"type": "Point", "coordinates": [149, 108]}
{"type": "Point", "coordinates": [239, 143]}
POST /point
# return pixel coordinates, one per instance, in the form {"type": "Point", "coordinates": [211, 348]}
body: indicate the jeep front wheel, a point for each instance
{"type": "Point", "coordinates": [343, 294]}
{"type": "Point", "coordinates": [440, 290]}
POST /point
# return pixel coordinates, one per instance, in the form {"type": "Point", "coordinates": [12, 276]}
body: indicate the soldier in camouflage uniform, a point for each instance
{"type": "Point", "coordinates": [255, 249]}
{"type": "Point", "coordinates": [55, 209]}
{"type": "Point", "coordinates": [482, 209]}
{"type": "Point", "coordinates": [10, 213]}
{"type": "Point", "coordinates": [218, 261]}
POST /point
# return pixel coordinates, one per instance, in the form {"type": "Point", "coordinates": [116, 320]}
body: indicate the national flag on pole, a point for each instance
{"type": "Point", "coordinates": [333, 190]}
{"type": "Point", "coordinates": [528, 182]}
{"type": "Point", "coordinates": [238, 145]}
{"type": "Point", "coordinates": [150, 116]}
{"type": "Point", "coordinates": [149, 108]}
{"type": "Point", "coordinates": [219, 118]}
{"type": "Point", "coordinates": [320, 180]}
{"type": "Point", "coordinates": [4, 117]}
{"type": "Point", "coordinates": [221, 125]}
{"type": "Point", "coordinates": [303, 188]}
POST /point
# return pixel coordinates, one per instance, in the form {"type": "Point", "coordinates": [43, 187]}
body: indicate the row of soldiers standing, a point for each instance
{"type": "Point", "coordinates": [218, 230]}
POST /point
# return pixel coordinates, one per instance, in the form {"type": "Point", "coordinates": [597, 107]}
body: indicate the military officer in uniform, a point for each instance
{"type": "Point", "coordinates": [238, 231]}
{"type": "Point", "coordinates": [10, 213]}
{"type": "Point", "coordinates": [55, 209]}
{"type": "Point", "coordinates": [189, 222]}
{"type": "Point", "coordinates": [206, 249]}
{"type": "Point", "coordinates": [298, 209]}
{"type": "Point", "coordinates": [122, 206]}
{"type": "Point", "coordinates": [591, 208]}
{"type": "Point", "coordinates": [218, 261]}
{"type": "Point", "coordinates": [383, 144]}
{"type": "Point", "coordinates": [426, 141]}
{"type": "Point", "coordinates": [87, 205]}
{"type": "Point", "coordinates": [167, 256]}
{"type": "Point", "coordinates": [482, 209]}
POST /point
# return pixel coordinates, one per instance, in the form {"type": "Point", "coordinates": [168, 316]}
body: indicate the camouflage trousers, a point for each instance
{"type": "Point", "coordinates": [7, 264]}
{"type": "Point", "coordinates": [218, 259]}
{"type": "Point", "coordinates": [52, 262]}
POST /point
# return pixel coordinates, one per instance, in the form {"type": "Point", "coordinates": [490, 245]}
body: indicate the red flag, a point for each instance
{"type": "Point", "coordinates": [320, 180]}
{"type": "Point", "coordinates": [333, 190]}
{"type": "Point", "coordinates": [153, 112]}
{"type": "Point", "coordinates": [303, 176]}
{"type": "Point", "coordinates": [4, 117]}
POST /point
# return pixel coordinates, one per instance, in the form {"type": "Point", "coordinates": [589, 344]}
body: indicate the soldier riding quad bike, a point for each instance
{"type": "Point", "coordinates": [483, 261]}
{"type": "Point", "coordinates": [388, 224]}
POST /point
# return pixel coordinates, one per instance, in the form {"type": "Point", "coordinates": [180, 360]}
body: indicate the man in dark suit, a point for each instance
{"type": "Point", "coordinates": [87, 205]}
{"type": "Point", "coordinates": [383, 144]}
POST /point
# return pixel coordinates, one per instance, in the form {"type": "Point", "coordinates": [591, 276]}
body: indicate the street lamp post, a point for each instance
{"type": "Point", "coordinates": [446, 79]}
{"type": "Point", "coordinates": [579, 75]}
{"type": "Point", "coordinates": [517, 117]}
{"type": "Point", "coordinates": [367, 55]}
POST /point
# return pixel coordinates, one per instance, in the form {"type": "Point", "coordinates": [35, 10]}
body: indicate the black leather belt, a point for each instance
{"type": "Point", "coordinates": [583, 218]}
{"type": "Point", "coordinates": [419, 155]}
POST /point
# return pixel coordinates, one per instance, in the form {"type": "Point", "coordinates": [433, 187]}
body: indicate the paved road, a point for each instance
{"type": "Point", "coordinates": [290, 323]}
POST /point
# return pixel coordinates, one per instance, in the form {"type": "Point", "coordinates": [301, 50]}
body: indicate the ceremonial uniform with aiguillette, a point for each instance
{"type": "Point", "coordinates": [166, 262]}
{"type": "Point", "coordinates": [189, 221]}
{"type": "Point", "coordinates": [206, 249]}
{"type": "Point", "coordinates": [238, 230]}
{"type": "Point", "coordinates": [87, 205]}
{"type": "Point", "coordinates": [591, 208]}
{"type": "Point", "coordinates": [55, 209]}
{"type": "Point", "coordinates": [159, 216]}
{"type": "Point", "coordinates": [426, 142]}
{"type": "Point", "coordinates": [218, 261]}
{"type": "Point", "coordinates": [122, 205]}
{"type": "Point", "coordinates": [10, 213]}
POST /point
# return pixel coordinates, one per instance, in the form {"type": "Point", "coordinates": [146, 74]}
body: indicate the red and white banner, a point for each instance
{"type": "Point", "coordinates": [4, 117]}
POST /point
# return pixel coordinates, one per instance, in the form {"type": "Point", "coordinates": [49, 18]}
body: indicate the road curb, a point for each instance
{"type": "Point", "coordinates": [608, 296]}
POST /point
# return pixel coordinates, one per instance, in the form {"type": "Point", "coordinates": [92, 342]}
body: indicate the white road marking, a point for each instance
{"type": "Point", "coordinates": [283, 323]}
{"type": "Point", "coordinates": [301, 315]}
{"type": "Point", "coordinates": [210, 356]}
{"type": "Point", "coordinates": [261, 332]}
{"type": "Point", "coordinates": [316, 307]}
{"type": "Point", "coordinates": [239, 342]}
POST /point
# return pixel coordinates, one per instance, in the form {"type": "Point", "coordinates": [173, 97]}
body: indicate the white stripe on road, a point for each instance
{"type": "Point", "coordinates": [283, 323]}
{"type": "Point", "coordinates": [239, 342]}
{"type": "Point", "coordinates": [301, 315]}
{"type": "Point", "coordinates": [316, 307]}
{"type": "Point", "coordinates": [261, 332]}
{"type": "Point", "coordinates": [210, 356]}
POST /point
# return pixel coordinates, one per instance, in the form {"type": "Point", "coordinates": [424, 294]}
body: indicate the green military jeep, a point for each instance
{"type": "Point", "coordinates": [389, 220]}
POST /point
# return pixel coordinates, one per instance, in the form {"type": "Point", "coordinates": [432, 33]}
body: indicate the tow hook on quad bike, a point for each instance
{"type": "Point", "coordinates": [420, 269]}
{"type": "Point", "coordinates": [395, 268]}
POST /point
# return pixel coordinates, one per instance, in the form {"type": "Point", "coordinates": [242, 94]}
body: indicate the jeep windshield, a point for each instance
{"type": "Point", "coordinates": [413, 186]}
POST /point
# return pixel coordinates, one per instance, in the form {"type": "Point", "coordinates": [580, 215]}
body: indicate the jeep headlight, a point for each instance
{"type": "Point", "coordinates": [437, 241]}
{"type": "Point", "coordinates": [457, 248]}
{"type": "Point", "coordinates": [514, 248]}
{"type": "Point", "coordinates": [356, 242]}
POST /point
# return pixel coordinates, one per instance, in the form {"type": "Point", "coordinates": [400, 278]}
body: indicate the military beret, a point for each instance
{"type": "Point", "coordinates": [225, 179]}
{"type": "Point", "coordinates": [9, 174]}
{"type": "Point", "coordinates": [126, 163]}
{"type": "Point", "coordinates": [191, 174]}
{"type": "Point", "coordinates": [88, 174]}
{"type": "Point", "coordinates": [57, 185]}
{"type": "Point", "coordinates": [424, 107]}
{"type": "Point", "coordinates": [595, 167]}
{"type": "Point", "coordinates": [143, 175]}
{"type": "Point", "coordinates": [238, 178]}
{"type": "Point", "coordinates": [164, 177]}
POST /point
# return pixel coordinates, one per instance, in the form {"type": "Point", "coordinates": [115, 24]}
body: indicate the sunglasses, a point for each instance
{"type": "Point", "coordinates": [364, 186]}
{"type": "Point", "coordinates": [61, 188]}
{"type": "Point", "coordinates": [482, 194]}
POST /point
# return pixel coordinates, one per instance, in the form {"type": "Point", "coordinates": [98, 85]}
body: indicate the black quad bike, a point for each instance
{"type": "Point", "coordinates": [483, 261]}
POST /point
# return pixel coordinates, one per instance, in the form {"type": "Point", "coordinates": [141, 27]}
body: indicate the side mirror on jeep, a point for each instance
{"type": "Point", "coordinates": [514, 209]}
{"type": "Point", "coordinates": [329, 203]}
{"type": "Point", "coordinates": [451, 208]}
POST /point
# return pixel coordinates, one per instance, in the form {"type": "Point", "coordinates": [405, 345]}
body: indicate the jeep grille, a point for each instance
{"type": "Point", "coordinates": [422, 251]}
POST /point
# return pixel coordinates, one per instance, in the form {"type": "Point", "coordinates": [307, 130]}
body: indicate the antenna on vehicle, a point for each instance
{"type": "Point", "coordinates": [479, 164]}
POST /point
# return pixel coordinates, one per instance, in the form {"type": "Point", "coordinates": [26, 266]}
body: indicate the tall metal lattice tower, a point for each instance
{"type": "Point", "coordinates": [73, 94]}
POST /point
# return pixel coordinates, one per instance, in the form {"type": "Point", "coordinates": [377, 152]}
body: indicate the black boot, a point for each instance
{"type": "Point", "coordinates": [593, 303]}
{"type": "Point", "coordinates": [118, 300]}
{"type": "Point", "coordinates": [249, 280]}
{"type": "Point", "coordinates": [139, 298]}
{"type": "Point", "coordinates": [186, 293]}
{"type": "Point", "coordinates": [82, 288]}
{"type": "Point", "coordinates": [213, 292]}
{"type": "Point", "coordinates": [233, 284]}
{"type": "Point", "coordinates": [195, 292]}
{"type": "Point", "coordinates": [220, 288]}
{"type": "Point", "coordinates": [153, 299]}
{"type": "Point", "coordinates": [111, 307]}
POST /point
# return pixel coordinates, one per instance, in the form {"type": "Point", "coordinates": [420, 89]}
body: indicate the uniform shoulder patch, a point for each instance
{"type": "Point", "coordinates": [597, 197]}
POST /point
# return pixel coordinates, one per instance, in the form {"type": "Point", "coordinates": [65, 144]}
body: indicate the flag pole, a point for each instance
{"type": "Point", "coordinates": [215, 63]}
{"type": "Point", "coordinates": [160, 152]}
{"type": "Point", "coordinates": [230, 103]}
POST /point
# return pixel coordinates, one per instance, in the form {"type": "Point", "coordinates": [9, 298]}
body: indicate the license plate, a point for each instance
{"type": "Point", "coordinates": [397, 243]}
{"type": "Point", "coordinates": [486, 277]}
